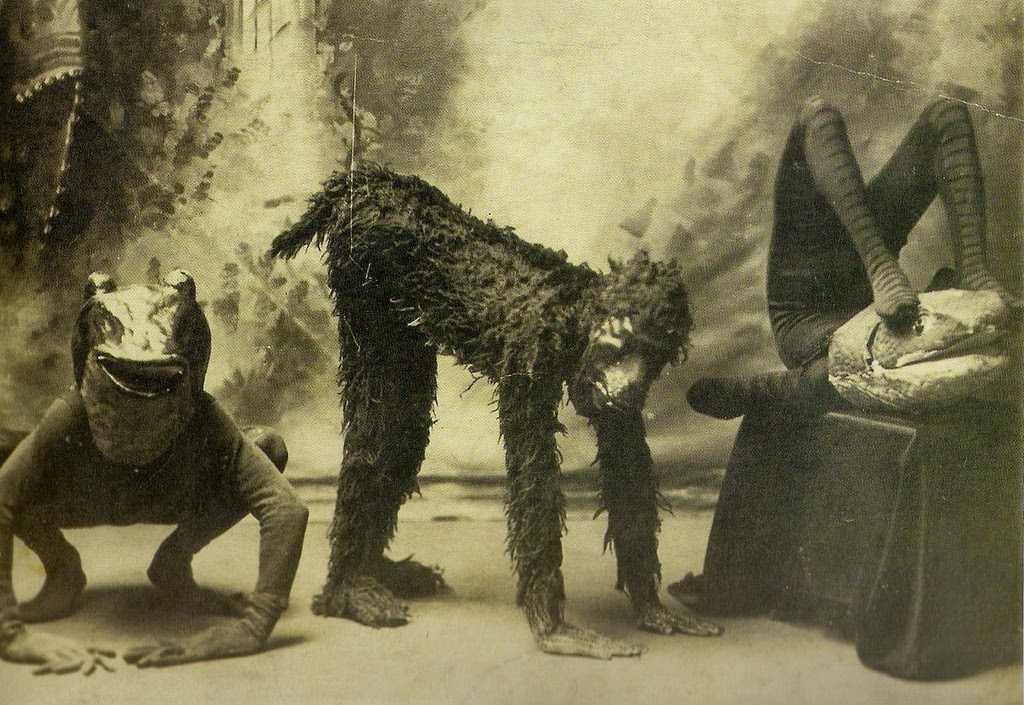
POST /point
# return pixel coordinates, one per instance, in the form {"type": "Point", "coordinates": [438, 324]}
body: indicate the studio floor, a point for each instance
{"type": "Point", "coordinates": [469, 646]}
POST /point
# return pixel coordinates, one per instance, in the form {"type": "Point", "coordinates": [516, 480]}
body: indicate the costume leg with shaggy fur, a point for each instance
{"type": "Point", "coordinates": [528, 416]}
{"type": "Point", "coordinates": [388, 377]}
{"type": "Point", "coordinates": [630, 495]}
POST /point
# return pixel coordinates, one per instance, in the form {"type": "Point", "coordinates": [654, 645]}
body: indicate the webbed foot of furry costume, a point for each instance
{"type": "Point", "coordinates": [569, 640]}
{"type": "Point", "coordinates": [408, 578]}
{"type": "Point", "coordinates": [175, 584]}
{"type": "Point", "coordinates": [656, 618]}
{"type": "Point", "coordinates": [362, 598]}
{"type": "Point", "coordinates": [60, 590]}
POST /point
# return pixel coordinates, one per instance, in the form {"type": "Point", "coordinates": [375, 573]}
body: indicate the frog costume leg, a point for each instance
{"type": "Point", "coordinates": [65, 579]}
{"type": "Point", "coordinates": [837, 176]}
{"type": "Point", "coordinates": [961, 186]}
{"type": "Point", "coordinates": [171, 568]}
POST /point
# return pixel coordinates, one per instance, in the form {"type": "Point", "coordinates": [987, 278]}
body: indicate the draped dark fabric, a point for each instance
{"type": "Point", "coordinates": [41, 61]}
{"type": "Point", "coordinates": [903, 535]}
{"type": "Point", "coordinates": [44, 43]}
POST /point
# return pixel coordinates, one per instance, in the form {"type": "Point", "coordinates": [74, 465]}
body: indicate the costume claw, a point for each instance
{"type": "Point", "coordinates": [660, 620]}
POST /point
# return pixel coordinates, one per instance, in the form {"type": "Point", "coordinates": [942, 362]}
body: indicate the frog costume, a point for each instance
{"type": "Point", "coordinates": [138, 440]}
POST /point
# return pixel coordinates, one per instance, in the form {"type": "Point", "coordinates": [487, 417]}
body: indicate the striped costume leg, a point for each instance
{"type": "Point", "coordinates": [837, 176]}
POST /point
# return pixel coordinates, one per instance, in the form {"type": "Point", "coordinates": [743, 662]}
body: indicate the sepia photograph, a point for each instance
{"type": "Point", "coordinates": [437, 352]}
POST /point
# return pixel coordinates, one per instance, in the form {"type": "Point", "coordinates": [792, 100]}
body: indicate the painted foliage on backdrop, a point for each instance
{"type": "Point", "coordinates": [218, 119]}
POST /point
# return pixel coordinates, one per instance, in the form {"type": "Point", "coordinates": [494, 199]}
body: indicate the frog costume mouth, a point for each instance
{"type": "Point", "coordinates": [937, 335]}
{"type": "Point", "coordinates": [145, 379]}
{"type": "Point", "coordinates": [140, 356]}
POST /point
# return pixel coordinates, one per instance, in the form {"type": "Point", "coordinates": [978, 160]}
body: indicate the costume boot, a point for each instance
{"type": "Point", "coordinates": [800, 392]}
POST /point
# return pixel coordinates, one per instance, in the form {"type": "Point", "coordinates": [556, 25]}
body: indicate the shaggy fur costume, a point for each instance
{"type": "Point", "coordinates": [413, 275]}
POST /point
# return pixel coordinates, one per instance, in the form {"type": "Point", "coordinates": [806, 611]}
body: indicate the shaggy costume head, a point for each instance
{"type": "Point", "coordinates": [643, 323]}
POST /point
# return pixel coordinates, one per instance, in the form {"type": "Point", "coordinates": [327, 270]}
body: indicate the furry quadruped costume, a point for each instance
{"type": "Point", "coordinates": [413, 275]}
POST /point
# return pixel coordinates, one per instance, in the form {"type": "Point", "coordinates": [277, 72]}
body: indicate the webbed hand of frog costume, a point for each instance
{"type": "Point", "coordinates": [241, 636]}
{"type": "Point", "coordinates": [54, 654]}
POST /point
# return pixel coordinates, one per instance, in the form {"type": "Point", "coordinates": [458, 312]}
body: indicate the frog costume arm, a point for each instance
{"type": "Point", "coordinates": [282, 518]}
{"type": "Point", "coordinates": [52, 654]}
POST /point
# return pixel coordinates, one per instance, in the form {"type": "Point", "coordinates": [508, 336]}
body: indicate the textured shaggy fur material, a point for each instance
{"type": "Point", "coordinates": [414, 275]}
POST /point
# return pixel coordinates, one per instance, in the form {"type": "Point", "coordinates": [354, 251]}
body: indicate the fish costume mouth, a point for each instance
{"type": "Point", "coordinates": [950, 331]}
{"type": "Point", "coordinates": [958, 349]}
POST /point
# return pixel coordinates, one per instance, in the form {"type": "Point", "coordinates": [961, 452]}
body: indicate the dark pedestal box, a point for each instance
{"type": "Point", "coordinates": [903, 534]}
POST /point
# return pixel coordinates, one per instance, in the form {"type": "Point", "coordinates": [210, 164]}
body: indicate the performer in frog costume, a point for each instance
{"type": "Point", "coordinates": [138, 440]}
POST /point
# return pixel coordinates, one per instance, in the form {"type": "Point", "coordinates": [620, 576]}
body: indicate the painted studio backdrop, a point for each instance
{"type": "Point", "coordinates": [653, 126]}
